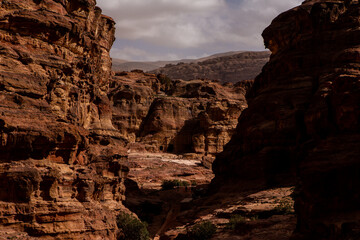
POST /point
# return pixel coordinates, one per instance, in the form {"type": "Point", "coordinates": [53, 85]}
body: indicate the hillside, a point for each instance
{"type": "Point", "coordinates": [124, 65]}
{"type": "Point", "coordinates": [230, 68]}
{"type": "Point", "coordinates": [119, 65]}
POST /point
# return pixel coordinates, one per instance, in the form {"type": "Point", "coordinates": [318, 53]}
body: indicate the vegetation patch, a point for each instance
{"type": "Point", "coordinates": [235, 221]}
{"type": "Point", "coordinates": [202, 231]}
{"type": "Point", "coordinates": [165, 80]}
{"type": "Point", "coordinates": [285, 206]}
{"type": "Point", "coordinates": [240, 224]}
{"type": "Point", "coordinates": [132, 228]}
{"type": "Point", "coordinates": [171, 184]}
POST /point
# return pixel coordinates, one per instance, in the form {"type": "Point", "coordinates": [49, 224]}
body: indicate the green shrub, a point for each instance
{"type": "Point", "coordinates": [165, 80]}
{"type": "Point", "coordinates": [171, 184]}
{"type": "Point", "coordinates": [202, 231]}
{"type": "Point", "coordinates": [235, 221]}
{"type": "Point", "coordinates": [193, 183]}
{"type": "Point", "coordinates": [168, 184]}
{"type": "Point", "coordinates": [185, 184]}
{"type": "Point", "coordinates": [132, 228]}
{"type": "Point", "coordinates": [285, 206]}
{"type": "Point", "coordinates": [241, 224]}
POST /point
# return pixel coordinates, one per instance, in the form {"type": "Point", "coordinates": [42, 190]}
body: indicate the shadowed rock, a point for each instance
{"type": "Point", "coordinates": [303, 118]}
{"type": "Point", "coordinates": [58, 179]}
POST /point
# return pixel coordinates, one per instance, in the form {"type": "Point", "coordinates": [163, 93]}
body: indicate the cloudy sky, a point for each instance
{"type": "Point", "coordinates": [148, 30]}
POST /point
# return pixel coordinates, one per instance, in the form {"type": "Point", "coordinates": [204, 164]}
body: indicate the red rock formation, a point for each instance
{"type": "Point", "coordinates": [195, 117]}
{"type": "Point", "coordinates": [61, 175]}
{"type": "Point", "coordinates": [131, 95]}
{"type": "Point", "coordinates": [304, 114]}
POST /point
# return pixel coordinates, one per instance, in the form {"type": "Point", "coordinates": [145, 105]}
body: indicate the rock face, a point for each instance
{"type": "Point", "coordinates": [131, 95]}
{"type": "Point", "coordinates": [304, 114]}
{"type": "Point", "coordinates": [233, 68]}
{"type": "Point", "coordinates": [61, 171]}
{"type": "Point", "coordinates": [65, 120]}
{"type": "Point", "coordinates": [196, 117]}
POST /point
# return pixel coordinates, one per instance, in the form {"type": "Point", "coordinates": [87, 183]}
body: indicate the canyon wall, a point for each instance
{"type": "Point", "coordinates": [197, 116]}
{"type": "Point", "coordinates": [66, 120]}
{"type": "Point", "coordinates": [131, 95]}
{"type": "Point", "coordinates": [61, 163]}
{"type": "Point", "coordinates": [302, 123]}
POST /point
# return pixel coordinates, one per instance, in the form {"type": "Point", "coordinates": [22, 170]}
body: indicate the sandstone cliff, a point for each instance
{"type": "Point", "coordinates": [65, 120]}
{"type": "Point", "coordinates": [232, 68]}
{"type": "Point", "coordinates": [303, 118]}
{"type": "Point", "coordinates": [197, 116]}
{"type": "Point", "coordinates": [131, 95]}
{"type": "Point", "coordinates": [61, 170]}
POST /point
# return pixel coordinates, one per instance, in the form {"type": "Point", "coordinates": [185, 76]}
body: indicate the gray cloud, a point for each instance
{"type": "Point", "coordinates": [189, 27]}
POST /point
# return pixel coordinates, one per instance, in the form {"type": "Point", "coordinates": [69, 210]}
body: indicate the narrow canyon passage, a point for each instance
{"type": "Point", "coordinates": [223, 147]}
{"type": "Point", "coordinates": [171, 213]}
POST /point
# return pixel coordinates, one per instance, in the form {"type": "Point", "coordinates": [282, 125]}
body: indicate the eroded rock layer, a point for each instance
{"type": "Point", "coordinates": [303, 114]}
{"type": "Point", "coordinates": [131, 95]}
{"type": "Point", "coordinates": [65, 120]}
{"type": "Point", "coordinates": [197, 116]}
{"type": "Point", "coordinates": [61, 168]}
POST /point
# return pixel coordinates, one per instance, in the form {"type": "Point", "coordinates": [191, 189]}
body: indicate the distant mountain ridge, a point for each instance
{"type": "Point", "coordinates": [124, 65]}
{"type": "Point", "coordinates": [225, 68]}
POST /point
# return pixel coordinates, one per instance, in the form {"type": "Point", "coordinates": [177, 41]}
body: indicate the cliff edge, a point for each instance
{"type": "Point", "coordinates": [302, 123]}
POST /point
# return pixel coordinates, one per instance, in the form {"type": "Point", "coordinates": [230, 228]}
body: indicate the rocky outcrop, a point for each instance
{"type": "Point", "coordinates": [303, 118]}
{"type": "Point", "coordinates": [195, 117]}
{"type": "Point", "coordinates": [61, 168]}
{"type": "Point", "coordinates": [131, 95]}
{"type": "Point", "coordinates": [50, 200]}
{"type": "Point", "coordinates": [162, 115]}
{"type": "Point", "coordinates": [230, 68]}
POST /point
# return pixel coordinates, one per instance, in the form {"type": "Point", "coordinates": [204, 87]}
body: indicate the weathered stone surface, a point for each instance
{"type": "Point", "coordinates": [61, 168]}
{"type": "Point", "coordinates": [65, 120]}
{"type": "Point", "coordinates": [196, 116]}
{"type": "Point", "coordinates": [46, 199]}
{"type": "Point", "coordinates": [304, 114]}
{"type": "Point", "coordinates": [266, 214]}
{"type": "Point", "coordinates": [131, 95]}
{"type": "Point", "coordinates": [60, 52]}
